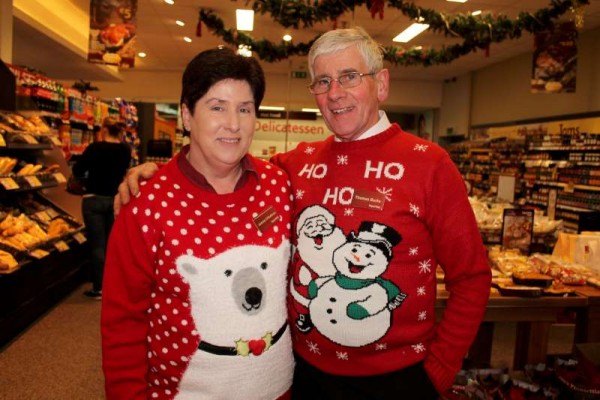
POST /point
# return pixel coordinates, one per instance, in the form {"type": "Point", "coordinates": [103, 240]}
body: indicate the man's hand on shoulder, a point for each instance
{"type": "Point", "coordinates": [130, 185]}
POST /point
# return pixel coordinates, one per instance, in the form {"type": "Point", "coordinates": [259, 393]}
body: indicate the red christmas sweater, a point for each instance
{"type": "Point", "coordinates": [372, 220]}
{"type": "Point", "coordinates": [194, 295]}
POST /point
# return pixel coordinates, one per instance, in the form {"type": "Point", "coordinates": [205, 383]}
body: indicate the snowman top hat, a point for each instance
{"type": "Point", "coordinates": [378, 235]}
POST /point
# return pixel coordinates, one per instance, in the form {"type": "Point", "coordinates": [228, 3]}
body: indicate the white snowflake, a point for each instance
{"type": "Point", "coordinates": [421, 147]}
{"type": "Point", "coordinates": [342, 355]}
{"type": "Point", "coordinates": [422, 316]}
{"type": "Point", "coordinates": [413, 251]}
{"type": "Point", "coordinates": [414, 209]}
{"type": "Point", "coordinates": [421, 291]}
{"type": "Point", "coordinates": [425, 266]}
{"type": "Point", "coordinates": [386, 192]}
{"type": "Point", "coordinates": [313, 347]}
{"type": "Point", "coordinates": [418, 348]}
{"type": "Point", "coordinates": [309, 150]}
{"type": "Point", "coordinates": [299, 194]}
{"type": "Point", "coordinates": [381, 346]}
{"type": "Point", "coordinates": [342, 159]}
{"type": "Point", "coordinates": [348, 212]}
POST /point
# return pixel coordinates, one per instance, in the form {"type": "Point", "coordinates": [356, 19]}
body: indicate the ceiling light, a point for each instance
{"type": "Point", "coordinates": [476, 12]}
{"type": "Point", "coordinates": [312, 110]}
{"type": "Point", "coordinates": [457, 1]}
{"type": "Point", "coordinates": [187, 39]}
{"type": "Point", "coordinates": [409, 33]}
{"type": "Point", "coordinates": [287, 38]}
{"type": "Point", "coordinates": [180, 22]}
{"type": "Point", "coordinates": [245, 19]}
{"type": "Point", "coordinates": [271, 108]}
{"type": "Point", "coordinates": [244, 50]}
{"type": "Point", "coordinates": [171, 2]}
{"type": "Point", "coordinates": [141, 54]}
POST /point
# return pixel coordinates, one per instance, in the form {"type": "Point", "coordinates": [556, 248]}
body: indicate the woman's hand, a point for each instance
{"type": "Point", "coordinates": [130, 185]}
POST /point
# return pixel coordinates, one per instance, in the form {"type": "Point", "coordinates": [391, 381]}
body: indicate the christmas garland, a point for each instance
{"type": "Point", "coordinates": [478, 32]}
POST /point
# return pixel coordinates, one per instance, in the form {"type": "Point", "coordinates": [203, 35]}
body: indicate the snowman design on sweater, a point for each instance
{"type": "Point", "coordinates": [355, 298]}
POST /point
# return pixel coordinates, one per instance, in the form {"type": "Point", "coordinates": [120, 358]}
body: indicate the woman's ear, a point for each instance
{"type": "Point", "coordinates": [186, 116]}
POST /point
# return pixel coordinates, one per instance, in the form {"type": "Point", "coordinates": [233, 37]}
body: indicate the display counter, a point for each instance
{"type": "Point", "coordinates": [534, 318]}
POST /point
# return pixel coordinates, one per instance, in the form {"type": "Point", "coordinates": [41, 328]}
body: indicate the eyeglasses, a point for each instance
{"type": "Point", "coordinates": [348, 80]}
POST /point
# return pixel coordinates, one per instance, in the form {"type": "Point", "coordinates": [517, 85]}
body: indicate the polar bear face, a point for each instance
{"type": "Point", "coordinates": [238, 293]}
{"type": "Point", "coordinates": [360, 260]}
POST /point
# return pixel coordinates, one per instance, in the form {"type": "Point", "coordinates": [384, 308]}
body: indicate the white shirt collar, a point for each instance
{"type": "Point", "coordinates": [380, 126]}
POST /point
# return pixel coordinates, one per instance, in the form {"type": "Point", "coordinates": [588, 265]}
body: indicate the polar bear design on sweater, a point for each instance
{"type": "Point", "coordinates": [237, 301]}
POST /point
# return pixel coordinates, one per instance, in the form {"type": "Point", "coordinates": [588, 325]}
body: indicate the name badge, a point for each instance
{"type": "Point", "coordinates": [266, 218]}
{"type": "Point", "coordinates": [368, 199]}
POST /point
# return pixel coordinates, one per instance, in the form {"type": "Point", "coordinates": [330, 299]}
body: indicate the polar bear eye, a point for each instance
{"type": "Point", "coordinates": [227, 272]}
{"type": "Point", "coordinates": [263, 266]}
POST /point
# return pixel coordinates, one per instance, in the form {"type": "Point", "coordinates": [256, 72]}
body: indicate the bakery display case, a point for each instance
{"type": "Point", "coordinates": [42, 245]}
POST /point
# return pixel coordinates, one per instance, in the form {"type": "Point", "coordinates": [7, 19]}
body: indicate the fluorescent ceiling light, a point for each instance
{"type": "Point", "coordinates": [409, 33]}
{"type": "Point", "coordinates": [271, 108]}
{"type": "Point", "coordinates": [287, 38]}
{"type": "Point", "coordinates": [180, 22]}
{"type": "Point", "coordinates": [141, 54]}
{"type": "Point", "coordinates": [187, 39]}
{"type": "Point", "coordinates": [171, 2]}
{"type": "Point", "coordinates": [476, 12]}
{"type": "Point", "coordinates": [457, 1]}
{"type": "Point", "coordinates": [313, 110]}
{"type": "Point", "coordinates": [245, 19]}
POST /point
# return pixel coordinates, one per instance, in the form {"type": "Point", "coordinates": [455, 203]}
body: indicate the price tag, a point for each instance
{"type": "Point", "coordinates": [51, 213]}
{"type": "Point", "coordinates": [33, 181]}
{"type": "Point", "coordinates": [38, 253]}
{"type": "Point", "coordinates": [61, 246]}
{"type": "Point", "coordinates": [56, 141]}
{"type": "Point", "coordinates": [60, 178]}
{"type": "Point", "coordinates": [2, 141]}
{"type": "Point", "coordinates": [79, 237]}
{"type": "Point", "coordinates": [29, 139]}
{"type": "Point", "coordinates": [8, 183]}
{"type": "Point", "coordinates": [570, 188]}
{"type": "Point", "coordinates": [42, 216]}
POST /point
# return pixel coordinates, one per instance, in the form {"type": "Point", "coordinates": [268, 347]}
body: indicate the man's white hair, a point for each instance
{"type": "Point", "coordinates": [340, 39]}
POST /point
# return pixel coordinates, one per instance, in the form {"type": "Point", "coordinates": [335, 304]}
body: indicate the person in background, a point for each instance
{"type": "Point", "coordinates": [103, 165]}
{"type": "Point", "coordinates": [376, 211]}
{"type": "Point", "coordinates": [194, 301]}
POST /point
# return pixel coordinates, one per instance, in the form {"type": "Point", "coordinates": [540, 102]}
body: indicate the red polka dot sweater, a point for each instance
{"type": "Point", "coordinates": [194, 291]}
{"type": "Point", "coordinates": [372, 220]}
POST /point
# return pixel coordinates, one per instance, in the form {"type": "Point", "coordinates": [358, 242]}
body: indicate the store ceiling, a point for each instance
{"type": "Point", "coordinates": [162, 39]}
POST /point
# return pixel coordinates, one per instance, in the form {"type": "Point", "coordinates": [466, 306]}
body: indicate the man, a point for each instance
{"type": "Point", "coordinates": [364, 327]}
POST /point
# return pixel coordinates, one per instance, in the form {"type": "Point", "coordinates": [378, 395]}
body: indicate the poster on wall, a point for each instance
{"type": "Point", "coordinates": [112, 32]}
{"type": "Point", "coordinates": [554, 67]}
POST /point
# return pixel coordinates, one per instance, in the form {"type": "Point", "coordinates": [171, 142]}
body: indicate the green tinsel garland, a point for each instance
{"type": "Point", "coordinates": [478, 32]}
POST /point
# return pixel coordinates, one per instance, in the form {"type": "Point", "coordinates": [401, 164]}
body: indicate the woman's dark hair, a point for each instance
{"type": "Point", "coordinates": [212, 66]}
{"type": "Point", "coordinates": [113, 126]}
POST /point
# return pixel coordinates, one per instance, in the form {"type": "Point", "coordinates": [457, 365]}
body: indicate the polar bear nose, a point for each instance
{"type": "Point", "coordinates": [254, 296]}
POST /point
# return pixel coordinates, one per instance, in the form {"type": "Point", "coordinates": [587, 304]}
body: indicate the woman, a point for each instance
{"type": "Point", "coordinates": [194, 293]}
{"type": "Point", "coordinates": [104, 164]}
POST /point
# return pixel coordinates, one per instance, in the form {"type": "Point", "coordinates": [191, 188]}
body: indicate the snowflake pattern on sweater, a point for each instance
{"type": "Point", "coordinates": [371, 223]}
{"type": "Point", "coordinates": [194, 292]}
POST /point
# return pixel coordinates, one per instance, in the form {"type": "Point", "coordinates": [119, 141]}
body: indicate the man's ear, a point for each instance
{"type": "Point", "coordinates": [383, 84]}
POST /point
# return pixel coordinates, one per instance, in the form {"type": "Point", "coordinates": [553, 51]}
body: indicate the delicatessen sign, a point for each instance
{"type": "Point", "coordinates": [277, 134]}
